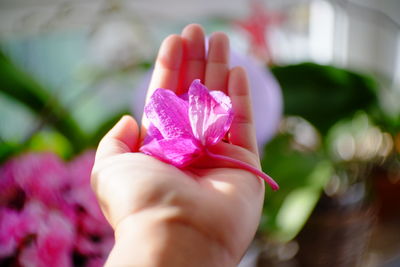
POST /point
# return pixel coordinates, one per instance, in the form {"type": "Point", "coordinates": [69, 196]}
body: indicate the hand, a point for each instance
{"type": "Point", "coordinates": [203, 216]}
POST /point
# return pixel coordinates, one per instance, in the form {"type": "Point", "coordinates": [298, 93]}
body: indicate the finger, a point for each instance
{"type": "Point", "coordinates": [122, 138]}
{"type": "Point", "coordinates": [193, 63]}
{"type": "Point", "coordinates": [217, 68]}
{"type": "Point", "coordinates": [166, 70]}
{"type": "Point", "coordinates": [242, 131]}
{"type": "Point", "coordinates": [168, 64]}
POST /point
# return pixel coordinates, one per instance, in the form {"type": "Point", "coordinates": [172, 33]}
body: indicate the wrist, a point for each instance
{"type": "Point", "coordinates": [157, 238]}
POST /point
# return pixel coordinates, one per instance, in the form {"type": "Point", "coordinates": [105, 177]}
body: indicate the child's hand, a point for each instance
{"type": "Point", "coordinates": [203, 216]}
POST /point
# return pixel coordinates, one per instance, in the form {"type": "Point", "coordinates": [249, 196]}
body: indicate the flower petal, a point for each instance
{"type": "Point", "coordinates": [178, 152]}
{"type": "Point", "coordinates": [169, 114]}
{"type": "Point", "coordinates": [210, 113]}
{"type": "Point", "coordinates": [151, 134]}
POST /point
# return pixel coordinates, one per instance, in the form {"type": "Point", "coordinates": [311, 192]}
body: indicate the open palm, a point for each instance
{"type": "Point", "coordinates": [218, 200]}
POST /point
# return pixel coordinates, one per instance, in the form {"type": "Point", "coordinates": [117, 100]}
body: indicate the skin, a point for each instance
{"type": "Point", "coordinates": [205, 215]}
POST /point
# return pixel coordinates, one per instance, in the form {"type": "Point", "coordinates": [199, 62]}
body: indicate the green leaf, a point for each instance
{"type": "Point", "coordinates": [324, 94]}
{"type": "Point", "coordinates": [23, 88]}
{"type": "Point", "coordinates": [301, 177]}
{"type": "Point", "coordinates": [8, 149]}
{"type": "Point", "coordinates": [51, 141]}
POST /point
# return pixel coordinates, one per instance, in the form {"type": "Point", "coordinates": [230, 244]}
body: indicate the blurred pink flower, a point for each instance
{"type": "Point", "coordinates": [11, 231]}
{"type": "Point", "coordinates": [41, 176]}
{"type": "Point", "coordinates": [33, 214]}
{"type": "Point", "coordinates": [82, 196]}
{"type": "Point", "coordinates": [53, 243]}
{"type": "Point", "coordinates": [49, 213]}
{"type": "Point", "coordinates": [8, 187]}
{"type": "Point", "coordinates": [95, 262]}
{"type": "Point", "coordinates": [90, 222]}
{"type": "Point", "coordinates": [80, 168]}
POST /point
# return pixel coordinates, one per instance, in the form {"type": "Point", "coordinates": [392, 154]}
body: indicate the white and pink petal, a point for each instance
{"type": "Point", "coordinates": [210, 114]}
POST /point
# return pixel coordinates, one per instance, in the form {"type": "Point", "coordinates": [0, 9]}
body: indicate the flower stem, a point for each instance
{"type": "Point", "coordinates": [247, 167]}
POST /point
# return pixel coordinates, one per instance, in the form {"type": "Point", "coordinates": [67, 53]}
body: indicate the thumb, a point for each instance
{"type": "Point", "coordinates": [122, 138]}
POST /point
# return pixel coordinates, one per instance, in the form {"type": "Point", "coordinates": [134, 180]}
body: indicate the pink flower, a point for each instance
{"type": "Point", "coordinates": [81, 196]}
{"type": "Point", "coordinates": [93, 231]}
{"type": "Point", "coordinates": [265, 90]}
{"type": "Point", "coordinates": [53, 244]}
{"type": "Point", "coordinates": [11, 232]}
{"type": "Point", "coordinates": [80, 168]}
{"type": "Point", "coordinates": [16, 226]}
{"type": "Point", "coordinates": [183, 128]}
{"type": "Point", "coordinates": [9, 190]}
{"type": "Point", "coordinates": [40, 176]}
{"type": "Point", "coordinates": [48, 212]}
{"type": "Point", "coordinates": [33, 215]}
{"type": "Point", "coordinates": [180, 129]}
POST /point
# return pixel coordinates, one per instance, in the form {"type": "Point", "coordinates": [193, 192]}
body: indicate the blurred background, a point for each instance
{"type": "Point", "coordinates": [325, 77]}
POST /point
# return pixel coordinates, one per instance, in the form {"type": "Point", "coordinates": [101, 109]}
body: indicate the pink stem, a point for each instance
{"type": "Point", "coordinates": [247, 167]}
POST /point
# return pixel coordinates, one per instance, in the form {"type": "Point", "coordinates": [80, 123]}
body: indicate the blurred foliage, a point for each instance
{"type": "Point", "coordinates": [23, 88]}
{"type": "Point", "coordinates": [50, 141]}
{"type": "Point", "coordinates": [8, 149]}
{"type": "Point", "coordinates": [388, 122]}
{"type": "Point", "coordinates": [324, 95]}
{"type": "Point", "coordinates": [301, 176]}
{"type": "Point", "coordinates": [65, 137]}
